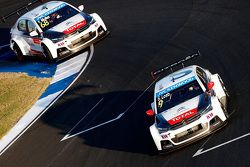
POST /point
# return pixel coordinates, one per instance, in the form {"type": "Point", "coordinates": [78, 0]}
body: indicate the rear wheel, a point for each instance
{"type": "Point", "coordinates": [47, 54]}
{"type": "Point", "coordinates": [18, 52]}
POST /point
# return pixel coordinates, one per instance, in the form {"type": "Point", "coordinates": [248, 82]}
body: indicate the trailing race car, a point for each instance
{"type": "Point", "coordinates": [189, 104]}
{"type": "Point", "coordinates": [54, 30]}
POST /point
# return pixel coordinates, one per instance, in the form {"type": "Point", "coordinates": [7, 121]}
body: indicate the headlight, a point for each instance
{"type": "Point", "coordinates": [55, 40]}
{"type": "Point", "coordinates": [206, 110]}
{"type": "Point", "coordinates": [92, 21]}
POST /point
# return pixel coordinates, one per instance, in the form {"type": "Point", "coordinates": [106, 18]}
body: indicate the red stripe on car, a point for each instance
{"type": "Point", "coordinates": [183, 116]}
{"type": "Point", "coordinates": [74, 27]}
{"type": "Point", "coordinates": [36, 40]}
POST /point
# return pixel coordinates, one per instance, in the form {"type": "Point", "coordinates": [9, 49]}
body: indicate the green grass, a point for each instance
{"type": "Point", "coordinates": [18, 92]}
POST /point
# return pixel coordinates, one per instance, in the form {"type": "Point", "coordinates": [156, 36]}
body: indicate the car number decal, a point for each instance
{"type": "Point", "coordinates": [44, 23]}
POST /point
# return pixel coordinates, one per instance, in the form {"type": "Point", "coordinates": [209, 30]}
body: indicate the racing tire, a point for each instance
{"type": "Point", "coordinates": [18, 52]}
{"type": "Point", "coordinates": [47, 54]}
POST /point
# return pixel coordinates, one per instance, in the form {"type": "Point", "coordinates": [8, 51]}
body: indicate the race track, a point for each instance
{"type": "Point", "coordinates": [101, 120]}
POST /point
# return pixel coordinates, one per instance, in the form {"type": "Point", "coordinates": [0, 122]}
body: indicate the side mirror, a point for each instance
{"type": "Point", "coordinates": [81, 7]}
{"type": "Point", "coordinates": [210, 85]}
{"type": "Point", "coordinates": [150, 113]}
{"type": "Point", "coordinates": [33, 34]}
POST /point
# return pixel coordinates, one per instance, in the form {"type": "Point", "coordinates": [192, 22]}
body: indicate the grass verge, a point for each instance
{"type": "Point", "coordinates": [18, 92]}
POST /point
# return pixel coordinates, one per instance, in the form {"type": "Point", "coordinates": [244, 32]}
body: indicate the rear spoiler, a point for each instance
{"type": "Point", "coordinates": [17, 11]}
{"type": "Point", "coordinates": [170, 66]}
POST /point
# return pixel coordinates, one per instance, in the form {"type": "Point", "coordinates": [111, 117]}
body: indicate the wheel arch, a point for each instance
{"type": "Point", "coordinates": [21, 46]}
{"type": "Point", "coordinates": [51, 46]}
{"type": "Point", "coordinates": [99, 20]}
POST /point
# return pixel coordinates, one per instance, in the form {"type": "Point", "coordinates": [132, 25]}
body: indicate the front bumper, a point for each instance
{"type": "Point", "coordinates": [178, 138]}
{"type": "Point", "coordinates": [81, 41]}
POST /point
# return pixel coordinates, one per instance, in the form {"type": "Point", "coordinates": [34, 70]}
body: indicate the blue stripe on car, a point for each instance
{"type": "Point", "coordinates": [161, 121]}
{"type": "Point", "coordinates": [50, 12]}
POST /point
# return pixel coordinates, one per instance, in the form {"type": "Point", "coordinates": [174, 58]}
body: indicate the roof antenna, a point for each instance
{"type": "Point", "coordinates": [44, 7]}
{"type": "Point", "coordinates": [173, 79]}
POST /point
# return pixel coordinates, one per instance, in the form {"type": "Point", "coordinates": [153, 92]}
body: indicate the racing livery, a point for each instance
{"type": "Point", "coordinates": [189, 104]}
{"type": "Point", "coordinates": [54, 30]}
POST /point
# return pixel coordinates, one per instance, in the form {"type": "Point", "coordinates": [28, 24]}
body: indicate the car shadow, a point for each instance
{"type": "Point", "coordinates": [130, 133]}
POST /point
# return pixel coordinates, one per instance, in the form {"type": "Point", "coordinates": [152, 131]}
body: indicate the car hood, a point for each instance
{"type": "Point", "coordinates": [70, 25]}
{"type": "Point", "coordinates": [187, 109]}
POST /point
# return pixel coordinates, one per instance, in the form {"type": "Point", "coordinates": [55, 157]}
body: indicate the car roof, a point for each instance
{"type": "Point", "coordinates": [176, 77]}
{"type": "Point", "coordinates": [42, 9]}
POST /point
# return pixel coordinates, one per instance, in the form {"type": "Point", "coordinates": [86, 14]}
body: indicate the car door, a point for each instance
{"type": "Point", "coordinates": [22, 34]}
{"type": "Point", "coordinates": [34, 41]}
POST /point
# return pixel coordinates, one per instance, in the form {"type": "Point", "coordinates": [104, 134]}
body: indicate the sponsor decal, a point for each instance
{"type": "Point", "coordinates": [183, 116]}
{"type": "Point", "coordinates": [74, 27]}
{"type": "Point", "coordinates": [36, 41]}
{"type": "Point", "coordinates": [50, 12]}
{"type": "Point", "coordinates": [210, 115]}
{"type": "Point", "coordinates": [60, 44]}
{"type": "Point", "coordinates": [181, 109]}
{"type": "Point", "coordinates": [175, 86]}
{"type": "Point", "coordinates": [69, 22]}
{"type": "Point", "coordinates": [164, 136]}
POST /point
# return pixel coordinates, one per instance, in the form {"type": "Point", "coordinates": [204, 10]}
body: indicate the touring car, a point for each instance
{"type": "Point", "coordinates": [189, 104]}
{"type": "Point", "coordinates": [54, 30]}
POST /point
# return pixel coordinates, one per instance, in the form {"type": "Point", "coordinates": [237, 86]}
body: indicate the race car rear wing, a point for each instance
{"type": "Point", "coordinates": [170, 66]}
{"type": "Point", "coordinates": [17, 11]}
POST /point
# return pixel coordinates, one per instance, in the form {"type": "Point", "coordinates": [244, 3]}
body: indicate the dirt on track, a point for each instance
{"type": "Point", "coordinates": [18, 92]}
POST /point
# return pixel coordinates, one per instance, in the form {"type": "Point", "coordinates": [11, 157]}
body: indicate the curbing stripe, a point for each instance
{"type": "Point", "coordinates": [44, 103]}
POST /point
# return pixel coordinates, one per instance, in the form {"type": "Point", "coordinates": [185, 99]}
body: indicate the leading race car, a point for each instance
{"type": "Point", "coordinates": [54, 30]}
{"type": "Point", "coordinates": [189, 104]}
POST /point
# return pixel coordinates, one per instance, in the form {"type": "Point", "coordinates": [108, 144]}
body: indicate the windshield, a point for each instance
{"type": "Point", "coordinates": [177, 96]}
{"type": "Point", "coordinates": [55, 16]}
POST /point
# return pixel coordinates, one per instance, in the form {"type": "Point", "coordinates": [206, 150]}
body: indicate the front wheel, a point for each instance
{"type": "Point", "coordinates": [47, 54]}
{"type": "Point", "coordinates": [18, 52]}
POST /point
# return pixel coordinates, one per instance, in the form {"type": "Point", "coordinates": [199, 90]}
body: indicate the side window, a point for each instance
{"type": "Point", "coordinates": [31, 26]}
{"type": "Point", "coordinates": [22, 26]}
{"type": "Point", "coordinates": [202, 76]}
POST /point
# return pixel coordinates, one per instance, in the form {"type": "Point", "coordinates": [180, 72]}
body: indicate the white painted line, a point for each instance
{"type": "Point", "coordinates": [3, 46]}
{"type": "Point", "coordinates": [83, 118]}
{"type": "Point", "coordinates": [201, 148]}
{"type": "Point", "coordinates": [94, 127]}
{"type": "Point", "coordinates": [107, 122]}
{"type": "Point", "coordinates": [202, 151]}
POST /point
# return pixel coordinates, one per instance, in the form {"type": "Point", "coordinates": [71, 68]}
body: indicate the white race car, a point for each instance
{"type": "Point", "coordinates": [189, 104]}
{"type": "Point", "coordinates": [54, 30]}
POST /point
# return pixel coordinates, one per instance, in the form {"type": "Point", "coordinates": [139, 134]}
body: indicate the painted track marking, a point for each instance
{"type": "Point", "coordinates": [68, 136]}
{"type": "Point", "coordinates": [201, 151]}
{"type": "Point", "coordinates": [3, 46]}
{"type": "Point", "coordinates": [10, 138]}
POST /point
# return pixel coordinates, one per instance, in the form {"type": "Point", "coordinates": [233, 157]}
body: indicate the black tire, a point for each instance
{"type": "Point", "coordinates": [18, 52]}
{"type": "Point", "coordinates": [47, 54]}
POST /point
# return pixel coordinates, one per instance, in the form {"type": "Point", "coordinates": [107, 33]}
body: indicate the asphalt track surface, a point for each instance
{"type": "Point", "coordinates": [145, 35]}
